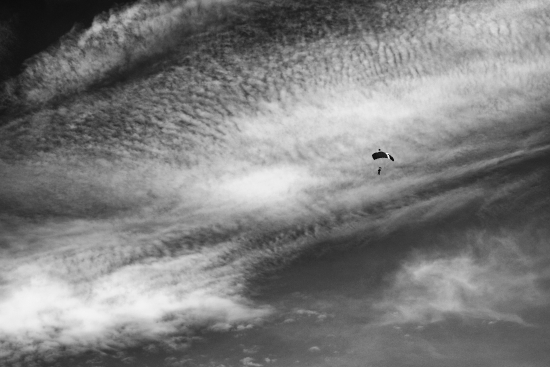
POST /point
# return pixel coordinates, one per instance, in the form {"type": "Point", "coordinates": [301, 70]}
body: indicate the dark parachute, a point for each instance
{"type": "Point", "coordinates": [381, 154]}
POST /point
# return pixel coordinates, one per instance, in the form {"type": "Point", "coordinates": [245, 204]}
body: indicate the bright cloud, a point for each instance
{"type": "Point", "coordinates": [58, 299]}
{"type": "Point", "coordinates": [265, 186]}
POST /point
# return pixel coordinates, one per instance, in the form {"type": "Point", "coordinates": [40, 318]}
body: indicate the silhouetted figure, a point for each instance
{"type": "Point", "coordinates": [381, 154]}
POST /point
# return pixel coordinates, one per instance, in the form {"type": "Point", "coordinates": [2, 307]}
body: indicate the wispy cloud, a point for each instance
{"type": "Point", "coordinates": [59, 299]}
{"type": "Point", "coordinates": [113, 45]}
{"type": "Point", "coordinates": [495, 280]}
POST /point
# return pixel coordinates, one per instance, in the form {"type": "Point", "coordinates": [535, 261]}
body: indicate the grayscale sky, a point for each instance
{"type": "Point", "coordinates": [190, 183]}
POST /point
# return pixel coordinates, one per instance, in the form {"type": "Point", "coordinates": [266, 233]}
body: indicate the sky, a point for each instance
{"type": "Point", "coordinates": [190, 183]}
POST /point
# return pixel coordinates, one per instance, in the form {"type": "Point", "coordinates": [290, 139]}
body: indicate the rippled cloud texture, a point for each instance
{"type": "Point", "coordinates": [157, 164]}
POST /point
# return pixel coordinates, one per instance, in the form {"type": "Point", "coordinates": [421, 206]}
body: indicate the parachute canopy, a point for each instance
{"type": "Point", "coordinates": [381, 154]}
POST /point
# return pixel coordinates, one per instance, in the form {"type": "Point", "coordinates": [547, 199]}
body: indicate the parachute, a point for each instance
{"type": "Point", "coordinates": [381, 154]}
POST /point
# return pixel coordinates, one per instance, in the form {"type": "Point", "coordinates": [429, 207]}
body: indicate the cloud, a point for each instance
{"type": "Point", "coordinates": [48, 313]}
{"type": "Point", "coordinates": [114, 44]}
{"type": "Point", "coordinates": [91, 291]}
{"type": "Point", "coordinates": [498, 284]}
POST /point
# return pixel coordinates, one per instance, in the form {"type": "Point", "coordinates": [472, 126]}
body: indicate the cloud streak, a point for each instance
{"type": "Point", "coordinates": [116, 43]}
